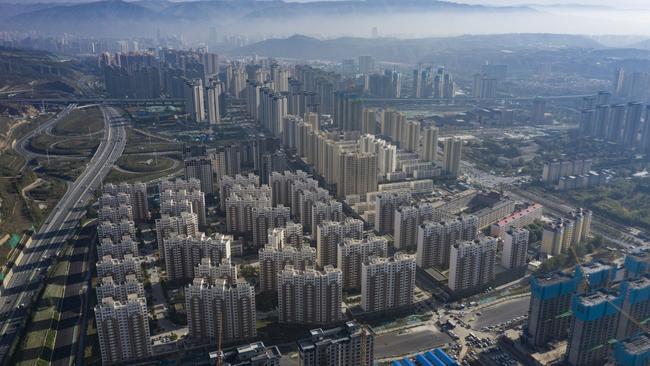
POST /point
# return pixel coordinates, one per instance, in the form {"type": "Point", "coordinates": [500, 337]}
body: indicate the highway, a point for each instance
{"type": "Point", "coordinates": [21, 144]}
{"type": "Point", "coordinates": [21, 284]}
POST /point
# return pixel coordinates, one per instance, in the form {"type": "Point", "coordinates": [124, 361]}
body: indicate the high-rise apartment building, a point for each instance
{"type": "Point", "coordinates": [538, 114]}
{"type": "Point", "coordinates": [637, 263]}
{"type": "Point", "coordinates": [240, 204]}
{"type": "Point", "coordinates": [212, 271]}
{"type": "Point", "coordinates": [581, 218]}
{"type": "Point", "coordinates": [194, 102]}
{"type": "Point", "coordinates": [123, 329]}
{"type": "Point", "coordinates": [183, 196]}
{"type": "Point", "coordinates": [309, 296]}
{"type": "Point", "coordinates": [329, 234]}
{"type": "Point", "coordinates": [184, 253]}
{"type": "Point", "coordinates": [213, 93]}
{"type": "Point", "coordinates": [385, 205]}
{"type": "Point", "coordinates": [635, 307]}
{"type": "Point", "coordinates": [289, 235]}
{"type": "Point", "coordinates": [429, 150]}
{"type": "Point", "coordinates": [274, 258]}
{"type": "Point", "coordinates": [228, 182]}
{"type": "Point", "coordinates": [408, 220]}
{"type": "Point", "coordinates": [266, 218]}
{"type": "Point", "coordinates": [305, 201]}
{"type": "Point", "coordinates": [549, 312]}
{"type": "Point", "coordinates": [118, 249]}
{"type": "Point", "coordinates": [386, 153]}
{"type": "Point", "coordinates": [254, 354]}
{"type": "Point", "coordinates": [185, 224]}
{"type": "Point", "coordinates": [632, 124]}
{"type": "Point", "coordinates": [138, 198]}
{"type": "Point", "coordinates": [281, 183]}
{"type": "Point", "coordinates": [352, 253]}
{"type": "Point", "coordinates": [452, 155]}
{"type": "Point", "coordinates": [119, 269]}
{"type": "Point", "coordinates": [406, 227]}
{"type": "Point", "coordinates": [201, 168]}
{"type": "Point", "coordinates": [594, 325]}
{"type": "Point", "coordinates": [220, 310]}
{"type": "Point", "coordinates": [116, 231]}
{"type": "Point", "coordinates": [116, 213]}
{"type": "Point", "coordinates": [350, 344]}
{"type": "Point", "coordinates": [330, 210]}
{"type": "Point", "coordinates": [119, 291]}
{"type": "Point", "coordinates": [633, 351]}
{"type": "Point", "coordinates": [557, 236]}
{"type": "Point", "coordinates": [472, 264]}
{"type": "Point", "coordinates": [435, 240]}
{"type": "Point", "coordinates": [366, 64]}
{"type": "Point", "coordinates": [515, 248]}
{"type": "Point", "coordinates": [387, 283]}
{"type": "Point", "coordinates": [226, 160]}
{"type": "Point", "coordinates": [357, 173]}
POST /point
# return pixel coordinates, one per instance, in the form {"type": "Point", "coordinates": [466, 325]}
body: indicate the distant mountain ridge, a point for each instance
{"type": "Point", "coordinates": [407, 50]}
{"type": "Point", "coordinates": [95, 18]}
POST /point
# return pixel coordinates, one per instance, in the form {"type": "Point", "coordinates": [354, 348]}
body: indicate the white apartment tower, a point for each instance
{"type": "Point", "coordinates": [435, 240]}
{"type": "Point", "coordinates": [515, 248]}
{"type": "Point", "coordinates": [430, 144]}
{"type": "Point", "coordinates": [184, 253]}
{"type": "Point", "coordinates": [123, 329]}
{"type": "Point", "coordinates": [329, 234]}
{"type": "Point", "coordinates": [472, 263]}
{"type": "Point", "coordinates": [273, 260]}
{"type": "Point", "coordinates": [352, 253]}
{"type": "Point", "coordinates": [221, 310]}
{"type": "Point", "coordinates": [194, 103]}
{"type": "Point", "coordinates": [387, 283]}
{"type": "Point", "coordinates": [385, 205]}
{"type": "Point", "coordinates": [309, 296]}
{"type": "Point", "coordinates": [452, 155]}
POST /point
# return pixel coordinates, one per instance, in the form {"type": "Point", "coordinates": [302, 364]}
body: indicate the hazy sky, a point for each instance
{"type": "Point", "coordinates": [616, 4]}
{"type": "Point", "coordinates": [611, 3]}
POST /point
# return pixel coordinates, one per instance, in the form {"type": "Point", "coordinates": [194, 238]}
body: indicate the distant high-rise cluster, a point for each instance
{"type": "Point", "coordinates": [625, 124]}
{"type": "Point", "coordinates": [433, 83]}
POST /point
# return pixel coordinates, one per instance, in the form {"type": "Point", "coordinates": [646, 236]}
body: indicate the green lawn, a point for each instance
{"type": "Point", "coordinates": [144, 163]}
{"type": "Point", "coordinates": [80, 122]}
{"type": "Point", "coordinates": [46, 144]}
{"type": "Point", "coordinates": [140, 143]}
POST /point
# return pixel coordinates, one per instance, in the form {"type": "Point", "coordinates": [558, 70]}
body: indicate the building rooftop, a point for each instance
{"type": "Point", "coordinates": [553, 278]}
{"type": "Point", "coordinates": [335, 335]}
{"type": "Point", "coordinates": [515, 216]}
{"type": "Point", "coordinates": [251, 354]}
{"type": "Point", "coordinates": [593, 267]}
{"type": "Point", "coordinates": [637, 345]}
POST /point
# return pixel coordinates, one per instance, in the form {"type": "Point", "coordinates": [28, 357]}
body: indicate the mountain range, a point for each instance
{"type": "Point", "coordinates": [409, 50]}
{"type": "Point", "coordinates": [116, 17]}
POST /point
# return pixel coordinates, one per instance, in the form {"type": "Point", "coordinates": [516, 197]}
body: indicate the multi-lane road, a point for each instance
{"type": "Point", "coordinates": [21, 284]}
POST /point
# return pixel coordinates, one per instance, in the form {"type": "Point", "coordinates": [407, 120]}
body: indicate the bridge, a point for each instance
{"type": "Point", "coordinates": [366, 100]}
{"type": "Point", "coordinates": [95, 100]}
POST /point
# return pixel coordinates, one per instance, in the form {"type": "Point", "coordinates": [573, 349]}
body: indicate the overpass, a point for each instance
{"type": "Point", "coordinates": [95, 100]}
{"type": "Point", "coordinates": [367, 100]}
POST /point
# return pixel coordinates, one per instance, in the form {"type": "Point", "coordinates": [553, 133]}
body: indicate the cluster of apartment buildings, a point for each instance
{"type": "Point", "coordinates": [309, 282]}
{"type": "Point", "coordinates": [121, 313]}
{"type": "Point", "coordinates": [597, 312]}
